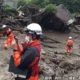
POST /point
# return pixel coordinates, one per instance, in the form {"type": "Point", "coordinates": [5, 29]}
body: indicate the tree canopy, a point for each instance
{"type": "Point", "coordinates": [72, 5]}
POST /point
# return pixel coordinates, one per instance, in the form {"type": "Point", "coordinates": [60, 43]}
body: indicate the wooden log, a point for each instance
{"type": "Point", "coordinates": [77, 28]}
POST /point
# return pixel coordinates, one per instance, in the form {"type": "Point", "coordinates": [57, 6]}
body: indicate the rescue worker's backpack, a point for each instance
{"type": "Point", "coordinates": [28, 55]}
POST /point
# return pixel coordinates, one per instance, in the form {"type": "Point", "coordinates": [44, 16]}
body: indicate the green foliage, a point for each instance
{"type": "Point", "coordinates": [39, 3]}
{"type": "Point", "coordinates": [47, 5]}
{"type": "Point", "coordinates": [50, 8]}
{"type": "Point", "coordinates": [21, 3]}
{"type": "Point", "coordinates": [7, 10]}
{"type": "Point", "coordinates": [72, 5]}
{"type": "Point", "coordinates": [32, 3]}
{"type": "Point", "coordinates": [76, 14]}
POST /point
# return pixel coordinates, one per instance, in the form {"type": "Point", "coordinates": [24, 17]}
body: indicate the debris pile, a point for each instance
{"type": "Point", "coordinates": [46, 20]}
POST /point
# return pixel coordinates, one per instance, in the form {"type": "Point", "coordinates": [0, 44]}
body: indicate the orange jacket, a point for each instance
{"type": "Point", "coordinates": [69, 43]}
{"type": "Point", "coordinates": [8, 33]}
{"type": "Point", "coordinates": [34, 64]}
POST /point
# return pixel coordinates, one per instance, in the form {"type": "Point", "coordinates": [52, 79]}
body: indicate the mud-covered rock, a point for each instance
{"type": "Point", "coordinates": [45, 69]}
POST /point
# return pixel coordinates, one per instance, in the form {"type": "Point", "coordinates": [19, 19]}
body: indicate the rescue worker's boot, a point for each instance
{"type": "Point", "coordinates": [70, 51]}
{"type": "Point", "coordinates": [66, 53]}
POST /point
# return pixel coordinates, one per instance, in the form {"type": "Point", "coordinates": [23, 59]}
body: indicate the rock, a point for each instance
{"type": "Point", "coordinates": [47, 61]}
{"type": "Point", "coordinates": [76, 64]}
{"type": "Point", "coordinates": [45, 69]}
{"type": "Point", "coordinates": [41, 77]}
{"type": "Point", "coordinates": [66, 65]}
{"type": "Point", "coordinates": [43, 52]}
{"type": "Point", "coordinates": [42, 57]}
{"type": "Point", "coordinates": [57, 59]}
{"type": "Point", "coordinates": [70, 64]}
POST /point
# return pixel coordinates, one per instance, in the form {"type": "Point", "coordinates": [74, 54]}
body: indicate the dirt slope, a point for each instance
{"type": "Point", "coordinates": [53, 55]}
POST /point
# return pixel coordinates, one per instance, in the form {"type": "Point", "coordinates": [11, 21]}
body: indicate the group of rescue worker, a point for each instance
{"type": "Point", "coordinates": [27, 54]}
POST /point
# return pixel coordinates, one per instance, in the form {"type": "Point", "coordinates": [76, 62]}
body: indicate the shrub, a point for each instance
{"type": "Point", "coordinates": [76, 14]}
{"type": "Point", "coordinates": [21, 3]}
{"type": "Point", "coordinates": [8, 10]}
{"type": "Point", "coordinates": [50, 8]}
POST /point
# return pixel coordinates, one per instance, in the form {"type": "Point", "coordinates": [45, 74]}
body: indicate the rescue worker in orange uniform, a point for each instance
{"type": "Point", "coordinates": [10, 36]}
{"type": "Point", "coordinates": [69, 45]}
{"type": "Point", "coordinates": [28, 58]}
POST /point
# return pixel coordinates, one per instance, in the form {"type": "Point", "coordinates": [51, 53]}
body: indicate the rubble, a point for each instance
{"type": "Point", "coordinates": [46, 70]}
{"type": "Point", "coordinates": [46, 20]}
{"type": "Point", "coordinates": [54, 62]}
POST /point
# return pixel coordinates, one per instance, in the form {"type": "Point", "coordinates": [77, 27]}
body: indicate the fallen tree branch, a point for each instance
{"type": "Point", "coordinates": [77, 28]}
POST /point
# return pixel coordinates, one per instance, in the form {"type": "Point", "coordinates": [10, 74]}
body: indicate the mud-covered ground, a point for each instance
{"type": "Point", "coordinates": [64, 66]}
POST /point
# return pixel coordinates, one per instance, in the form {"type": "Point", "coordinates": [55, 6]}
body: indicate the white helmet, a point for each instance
{"type": "Point", "coordinates": [70, 37]}
{"type": "Point", "coordinates": [34, 27]}
{"type": "Point", "coordinates": [4, 26]}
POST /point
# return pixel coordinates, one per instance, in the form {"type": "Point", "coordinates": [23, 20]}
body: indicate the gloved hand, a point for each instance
{"type": "Point", "coordinates": [16, 46]}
